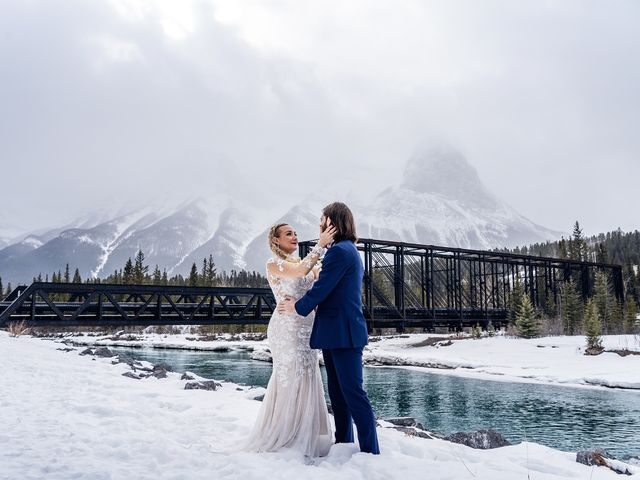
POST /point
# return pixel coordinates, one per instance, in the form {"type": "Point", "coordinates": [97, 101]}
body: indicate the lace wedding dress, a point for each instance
{"type": "Point", "coordinates": [293, 413]}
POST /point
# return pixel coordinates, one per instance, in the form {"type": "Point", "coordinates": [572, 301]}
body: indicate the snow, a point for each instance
{"type": "Point", "coordinates": [556, 360]}
{"type": "Point", "coordinates": [559, 360]}
{"type": "Point", "coordinates": [68, 416]}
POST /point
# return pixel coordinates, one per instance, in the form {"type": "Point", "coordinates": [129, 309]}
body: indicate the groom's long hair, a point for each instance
{"type": "Point", "coordinates": [342, 218]}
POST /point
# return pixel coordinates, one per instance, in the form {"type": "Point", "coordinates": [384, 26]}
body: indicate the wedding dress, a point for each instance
{"type": "Point", "coordinates": [293, 413]}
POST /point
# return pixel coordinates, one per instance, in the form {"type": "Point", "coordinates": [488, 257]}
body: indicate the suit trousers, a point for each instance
{"type": "Point", "coordinates": [349, 401]}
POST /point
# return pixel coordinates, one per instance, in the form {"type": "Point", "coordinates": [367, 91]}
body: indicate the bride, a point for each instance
{"type": "Point", "coordinates": [293, 413]}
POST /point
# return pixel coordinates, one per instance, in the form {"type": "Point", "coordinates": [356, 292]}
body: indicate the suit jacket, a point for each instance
{"type": "Point", "coordinates": [337, 293]}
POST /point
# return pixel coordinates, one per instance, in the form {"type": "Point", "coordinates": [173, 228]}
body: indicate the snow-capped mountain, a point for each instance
{"type": "Point", "coordinates": [440, 200]}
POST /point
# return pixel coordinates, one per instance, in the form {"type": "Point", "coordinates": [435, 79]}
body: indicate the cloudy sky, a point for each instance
{"type": "Point", "coordinates": [105, 101]}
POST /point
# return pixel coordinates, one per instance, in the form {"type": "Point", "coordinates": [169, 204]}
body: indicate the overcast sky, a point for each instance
{"type": "Point", "coordinates": [105, 101]}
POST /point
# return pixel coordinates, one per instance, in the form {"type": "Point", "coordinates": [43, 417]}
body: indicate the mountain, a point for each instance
{"type": "Point", "coordinates": [441, 200]}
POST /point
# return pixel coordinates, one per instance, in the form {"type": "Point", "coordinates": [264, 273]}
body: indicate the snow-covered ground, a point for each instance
{"type": "Point", "coordinates": [67, 416]}
{"type": "Point", "coordinates": [548, 360]}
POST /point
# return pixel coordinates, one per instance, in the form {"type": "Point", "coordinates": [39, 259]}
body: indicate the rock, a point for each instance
{"type": "Point", "coordinates": [122, 358]}
{"type": "Point", "coordinates": [595, 456]}
{"type": "Point", "coordinates": [186, 376]}
{"type": "Point", "coordinates": [202, 385]}
{"type": "Point", "coordinates": [160, 370]}
{"type": "Point", "coordinates": [601, 458]}
{"type": "Point", "coordinates": [86, 351]}
{"type": "Point", "coordinates": [66, 349]}
{"type": "Point", "coordinates": [404, 422]}
{"type": "Point", "coordinates": [259, 398]}
{"type": "Point", "coordinates": [104, 352]}
{"type": "Point", "coordinates": [414, 432]}
{"type": "Point", "coordinates": [594, 351]}
{"type": "Point", "coordinates": [482, 439]}
{"type": "Point", "coordinates": [131, 375]}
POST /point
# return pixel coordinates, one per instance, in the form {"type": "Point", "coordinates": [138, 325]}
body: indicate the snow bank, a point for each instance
{"type": "Point", "coordinates": [68, 416]}
{"type": "Point", "coordinates": [549, 359]}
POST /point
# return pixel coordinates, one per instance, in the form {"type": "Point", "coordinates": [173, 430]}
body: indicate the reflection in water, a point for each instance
{"type": "Point", "coordinates": [561, 417]}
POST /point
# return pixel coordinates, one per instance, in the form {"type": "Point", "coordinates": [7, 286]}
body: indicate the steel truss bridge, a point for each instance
{"type": "Point", "coordinates": [405, 285]}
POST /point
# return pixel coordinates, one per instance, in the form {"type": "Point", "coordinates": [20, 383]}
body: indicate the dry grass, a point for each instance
{"type": "Point", "coordinates": [16, 329]}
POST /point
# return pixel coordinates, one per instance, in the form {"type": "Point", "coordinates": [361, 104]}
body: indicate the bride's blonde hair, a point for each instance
{"type": "Point", "coordinates": [273, 245]}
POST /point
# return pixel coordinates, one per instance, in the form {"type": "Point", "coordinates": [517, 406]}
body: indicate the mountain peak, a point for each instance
{"type": "Point", "coordinates": [441, 169]}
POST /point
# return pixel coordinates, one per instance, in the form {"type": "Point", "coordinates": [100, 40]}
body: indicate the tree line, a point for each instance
{"type": "Point", "coordinates": [601, 313]}
{"type": "Point", "coordinates": [137, 272]}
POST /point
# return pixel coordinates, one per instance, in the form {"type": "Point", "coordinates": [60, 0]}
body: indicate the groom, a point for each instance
{"type": "Point", "coordinates": [340, 330]}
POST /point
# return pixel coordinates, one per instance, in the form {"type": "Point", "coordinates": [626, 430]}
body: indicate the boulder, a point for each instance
{"type": "Point", "coordinates": [104, 352]}
{"type": "Point", "coordinates": [482, 439]}
{"type": "Point", "coordinates": [202, 385]}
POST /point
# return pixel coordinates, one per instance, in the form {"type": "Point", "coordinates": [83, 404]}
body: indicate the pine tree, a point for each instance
{"type": "Point", "coordinates": [127, 274]}
{"type": "Point", "coordinates": [8, 290]}
{"type": "Point", "coordinates": [515, 301]}
{"type": "Point", "coordinates": [211, 272]}
{"type": "Point", "coordinates": [476, 332]}
{"type": "Point", "coordinates": [570, 308]}
{"type": "Point", "coordinates": [562, 248]}
{"type": "Point", "coordinates": [165, 281]}
{"type": "Point", "coordinates": [491, 330]}
{"type": "Point", "coordinates": [157, 276]}
{"type": "Point", "coordinates": [603, 301]}
{"type": "Point", "coordinates": [203, 275]}
{"type": "Point", "coordinates": [601, 253]}
{"type": "Point", "coordinates": [526, 322]}
{"type": "Point", "coordinates": [140, 270]}
{"type": "Point", "coordinates": [193, 276]}
{"type": "Point", "coordinates": [1, 289]}
{"type": "Point", "coordinates": [630, 315]}
{"type": "Point", "coordinates": [76, 277]}
{"type": "Point", "coordinates": [593, 328]}
{"type": "Point", "coordinates": [67, 276]}
{"type": "Point", "coordinates": [577, 245]}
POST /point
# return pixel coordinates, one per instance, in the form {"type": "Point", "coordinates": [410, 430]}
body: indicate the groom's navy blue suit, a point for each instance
{"type": "Point", "coordinates": [341, 332]}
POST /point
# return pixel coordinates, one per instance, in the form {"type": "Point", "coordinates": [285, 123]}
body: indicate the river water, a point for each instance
{"type": "Point", "coordinates": [566, 418]}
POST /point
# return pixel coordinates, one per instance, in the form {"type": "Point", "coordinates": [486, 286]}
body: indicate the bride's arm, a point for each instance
{"type": "Point", "coordinates": [282, 268]}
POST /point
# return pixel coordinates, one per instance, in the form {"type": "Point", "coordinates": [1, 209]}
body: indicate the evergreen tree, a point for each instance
{"type": "Point", "coordinates": [128, 274]}
{"type": "Point", "coordinates": [603, 301]}
{"type": "Point", "coordinates": [1, 289]}
{"type": "Point", "coordinates": [157, 276]}
{"type": "Point", "coordinates": [601, 253]}
{"type": "Point", "coordinates": [570, 308]}
{"type": "Point", "coordinates": [76, 277]}
{"type": "Point", "coordinates": [140, 270]}
{"type": "Point", "coordinates": [515, 301]}
{"type": "Point", "coordinates": [526, 321]}
{"type": "Point", "coordinates": [193, 276]}
{"type": "Point", "coordinates": [476, 332]}
{"type": "Point", "coordinates": [8, 291]}
{"type": "Point", "coordinates": [630, 315]}
{"type": "Point", "coordinates": [211, 272]}
{"type": "Point", "coordinates": [562, 248]}
{"type": "Point", "coordinates": [593, 328]}
{"type": "Point", "coordinates": [67, 276]}
{"type": "Point", "coordinates": [491, 330]}
{"type": "Point", "coordinates": [165, 281]}
{"type": "Point", "coordinates": [577, 245]}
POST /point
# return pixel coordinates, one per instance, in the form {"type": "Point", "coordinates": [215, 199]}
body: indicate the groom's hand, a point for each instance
{"type": "Point", "coordinates": [287, 306]}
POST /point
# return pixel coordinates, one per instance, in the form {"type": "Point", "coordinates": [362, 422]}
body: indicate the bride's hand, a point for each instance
{"type": "Point", "coordinates": [326, 237]}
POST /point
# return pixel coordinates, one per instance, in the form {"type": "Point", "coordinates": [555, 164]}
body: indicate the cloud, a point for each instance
{"type": "Point", "coordinates": [112, 101]}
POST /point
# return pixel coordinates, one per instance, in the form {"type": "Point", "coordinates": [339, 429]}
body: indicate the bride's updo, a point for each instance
{"type": "Point", "coordinates": [274, 232]}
